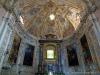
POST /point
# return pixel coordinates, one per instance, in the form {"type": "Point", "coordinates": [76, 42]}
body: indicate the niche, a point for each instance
{"type": "Point", "coordinates": [72, 56]}
{"type": "Point", "coordinates": [86, 50]}
{"type": "Point", "coordinates": [14, 50]}
{"type": "Point", "coordinates": [28, 58]}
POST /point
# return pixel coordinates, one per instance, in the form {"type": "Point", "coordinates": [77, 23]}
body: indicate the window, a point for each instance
{"type": "Point", "coordinates": [50, 54]}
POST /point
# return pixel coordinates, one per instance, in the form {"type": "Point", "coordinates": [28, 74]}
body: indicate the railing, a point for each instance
{"type": "Point", "coordinates": [48, 74]}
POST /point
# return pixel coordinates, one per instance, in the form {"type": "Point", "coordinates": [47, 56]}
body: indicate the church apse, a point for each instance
{"type": "Point", "coordinates": [50, 57]}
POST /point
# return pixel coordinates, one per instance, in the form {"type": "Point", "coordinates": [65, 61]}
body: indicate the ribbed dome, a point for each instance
{"type": "Point", "coordinates": [58, 17]}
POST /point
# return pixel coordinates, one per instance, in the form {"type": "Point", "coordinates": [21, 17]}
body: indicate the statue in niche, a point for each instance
{"type": "Point", "coordinates": [14, 50]}
{"type": "Point", "coordinates": [29, 53]}
{"type": "Point", "coordinates": [87, 54]}
{"type": "Point", "coordinates": [86, 50]}
{"type": "Point", "coordinates": [72, 56]}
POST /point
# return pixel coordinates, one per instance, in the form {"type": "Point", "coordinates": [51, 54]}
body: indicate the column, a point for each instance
{"type": "Point", "coordinates": [64, 57]}
{"type": "Point", "coordinates": [93, 50]}
{"type": "Point", "coordinates": [40, 54]}
{"type": "Point", "coordinates": [36, 58]}
{"type": "Point", "coordinates": [41, 61]}
{"type": "Point", "coordinates": [59, 57]}
{"type": "Point", "coordinates": [80, 56]}
{"type": "Point", "coordinates": [96, 31]}
{"type": "Point", "coordinates": [4, 44]}
{"type": "Point", "coordinates": [20, 57]}
{"type": "Point", "coordinates": [4, 22]}
{"type": "Point", "coordinates": [9, 47]}
{"type": "Point", "coordinates": [77, 46]}
{"type": "Point", "coordinates": [96, 26]}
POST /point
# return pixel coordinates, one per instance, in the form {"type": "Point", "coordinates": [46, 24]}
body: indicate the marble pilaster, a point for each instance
{"type": "Point", "coordinates": [4, 44]}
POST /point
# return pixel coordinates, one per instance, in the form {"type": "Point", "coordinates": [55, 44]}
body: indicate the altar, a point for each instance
{"type": "Point", "coordinates": [50, 57]}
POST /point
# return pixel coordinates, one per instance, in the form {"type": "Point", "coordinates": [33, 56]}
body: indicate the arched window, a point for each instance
{"type": "Point", "coordinates": [50, 54]}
